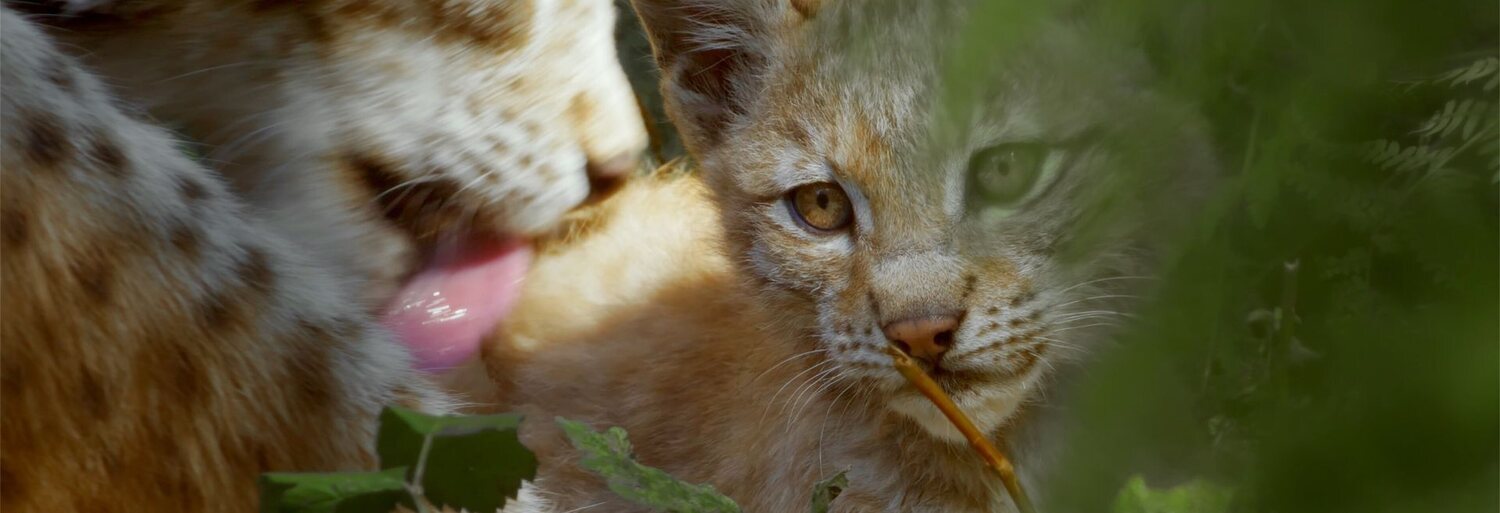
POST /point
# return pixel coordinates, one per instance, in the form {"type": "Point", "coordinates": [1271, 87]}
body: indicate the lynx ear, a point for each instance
{"type": "Point", "coordinates": [712, 54]}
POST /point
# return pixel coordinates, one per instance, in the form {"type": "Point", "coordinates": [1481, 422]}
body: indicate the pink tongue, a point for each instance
{"type": "Point", "coordinates": [444, 311]}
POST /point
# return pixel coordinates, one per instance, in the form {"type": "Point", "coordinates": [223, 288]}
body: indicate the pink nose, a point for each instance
{"type": "Point", "coordinates": [925, 338]}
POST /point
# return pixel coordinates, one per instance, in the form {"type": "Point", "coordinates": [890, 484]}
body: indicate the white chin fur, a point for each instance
{"type": "Point", "coordinates": [987, 412]}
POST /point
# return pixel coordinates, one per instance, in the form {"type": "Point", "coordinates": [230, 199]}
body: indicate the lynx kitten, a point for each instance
{"type": "Point", "coordinates": [736, 318]}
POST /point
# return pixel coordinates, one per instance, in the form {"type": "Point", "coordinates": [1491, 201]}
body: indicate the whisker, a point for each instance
{"type": "Point", "coordinates": [1070, 328]}
{"type": "Point", "coordinates": [231, 150]}
{"type": "Point", "coordinates": [1092, 312]}
{"type": "Point", "coordinates": [476, 179]}
{"type": "Point", "coordinates": [1101, 280]}
{"type": "Point", "coordinates": [231, 127]}
{"type": "Point", "coordinates": [1064, 345]}
{"type": "Point", "coordinates": [786, 361]}
{"type": "Point", "coordinates": [789, 381]}
{"type": "Point", "coordinates": [1095, 298]}
{"type": "Point", "coordinates": [409, 183]}
{"type": "Point", "coordinates": [208, 69]}
{"type": "Point", "coordinates": [826, 380]}
{"type": "Point", "coordinates": [824, 426]}
{"type": "Point", "coordinates": [810, 384]}
{"type": "Point", "coordinates": [1073, 316]}
{"type": "Point", "coordinates": [575, 510]}
{"type": "Point", "coordinates": [829, 382]}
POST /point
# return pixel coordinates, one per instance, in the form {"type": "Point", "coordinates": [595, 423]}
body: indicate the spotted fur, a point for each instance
{"type": "Point", "coordinates": [173, 327]}
{"type": "Point", "coordinates": [377, 131]}
{"type": "Point", "coordinates": [160, 346]}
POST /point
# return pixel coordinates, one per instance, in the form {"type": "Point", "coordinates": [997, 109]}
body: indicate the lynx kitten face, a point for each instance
{"type": "Point", "coordinates": [977, 239]}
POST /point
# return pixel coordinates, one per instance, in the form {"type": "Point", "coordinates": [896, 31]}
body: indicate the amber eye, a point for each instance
{"type": "Point", "coordinates": [822, 206]}
{"type": "Point", "coordinates": [1004, 174]}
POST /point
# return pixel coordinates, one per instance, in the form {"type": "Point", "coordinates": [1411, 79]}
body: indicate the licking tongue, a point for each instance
{"type": "Point", "coordinates": [444, 311]}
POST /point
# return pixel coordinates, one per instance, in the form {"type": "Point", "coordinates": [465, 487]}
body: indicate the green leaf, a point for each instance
{"type": "Point", "coordinates": [1193, 497]}
{"type": "Point", "coordinates": [1487, 66]}
{"type": "Point", "coordinates": [474, 462]}
{"type": "Point", "coordinates": [347, 492]}
{"type": "Point", "coordinates": [608, 454]}
{"type": "Point", "coordinates": [827, 490]}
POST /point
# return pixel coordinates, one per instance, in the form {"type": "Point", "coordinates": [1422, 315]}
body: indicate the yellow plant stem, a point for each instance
{"type": "Point", "coordinates": [987, 451]}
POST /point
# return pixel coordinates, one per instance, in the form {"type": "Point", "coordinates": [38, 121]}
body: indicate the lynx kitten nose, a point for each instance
{"type": "Point", "coordinates": [925, 338]}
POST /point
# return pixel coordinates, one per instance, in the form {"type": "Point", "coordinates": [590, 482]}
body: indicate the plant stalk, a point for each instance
{"type": "Point", "coordinates": [987, 451]}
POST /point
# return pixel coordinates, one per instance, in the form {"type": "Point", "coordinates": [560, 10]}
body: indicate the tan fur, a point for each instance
{"type": "Point", "coordinates": [168, 334]}
{"type": "Point", "coordinates": [160, 349]}
{"type": "Point", "coordinates": [744, 350]}
{"type": "Point", "coordinates": [642, 323]}
{"type": "Point", "coordinates": [378, 131]}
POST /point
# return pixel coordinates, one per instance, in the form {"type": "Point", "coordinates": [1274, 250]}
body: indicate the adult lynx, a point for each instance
{"type": "Point", "coordinates": [739, 324]}
{"type": "Point", "coordinates": [172, 330]}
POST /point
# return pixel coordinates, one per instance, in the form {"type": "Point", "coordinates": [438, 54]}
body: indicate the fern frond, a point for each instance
{"type": "Point", "coordinates": [1469, 114]}
{"type": "Point", "coordinates": [1477, 70]}
{"type": "Point", "coordinates": [1393, 156]}
{"type": "Point", "coordinates": [1480, 69]}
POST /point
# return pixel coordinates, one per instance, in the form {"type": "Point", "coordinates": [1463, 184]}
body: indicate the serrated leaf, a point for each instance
{"type": "Point", "coordinates": [825, 491]}
{"type": "Point", "coordinates": [1193, 497]}
{"type": "Point", "coordinates": [608, 454]}
{"type": "Point", "coordinates": [347, 492]}
{"type": "Point", "coordinates": [475, 462]}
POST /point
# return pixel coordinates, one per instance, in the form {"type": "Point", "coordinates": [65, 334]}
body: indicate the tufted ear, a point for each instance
{"type": "Point", "coordinates": [712, 54]}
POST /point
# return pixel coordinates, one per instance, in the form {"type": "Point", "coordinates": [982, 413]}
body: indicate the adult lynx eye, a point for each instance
{"type": "Point", "coordinates": [821, 206]}
{"type": "Point", "coordinates": [1004, 175]}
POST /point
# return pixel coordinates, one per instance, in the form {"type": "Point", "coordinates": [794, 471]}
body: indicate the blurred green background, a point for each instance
{"type": "Point", "coordinates": [1327, 337]}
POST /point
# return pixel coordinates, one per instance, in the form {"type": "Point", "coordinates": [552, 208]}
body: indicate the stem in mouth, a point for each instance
{"type": "Point", "coordinates": [996, 460]}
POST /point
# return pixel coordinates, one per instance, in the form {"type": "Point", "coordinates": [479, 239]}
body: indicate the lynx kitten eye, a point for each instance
{"type": "Point", "coordinates": [821, 206]}
{"type": "Point", "coordinates": [1004, 175]}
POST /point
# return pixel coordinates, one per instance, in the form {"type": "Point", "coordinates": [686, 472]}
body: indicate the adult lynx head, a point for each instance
{"type": "Point", "coordinates": [404, 142]}
{"type": "Point", "coordinates": [441, 116]}
{"type": "Point", "coordinates": [984, 209]}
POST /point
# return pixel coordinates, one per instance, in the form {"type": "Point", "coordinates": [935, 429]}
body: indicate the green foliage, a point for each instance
{"type": "Point", "coordinates": [609, 455]}
{"type": "Point", "coordinates": [1465, 125]}
{"type": "Point", "coordinates": [470, 462]}
{"type": "Point", "coordinates": [347, 492]}
{"type": "Point", "coordinates": [1192, 497]}
{"type": "Point", "coordinates": [474, 462]}
{"type": "Point", "coordinates": [1325, 340]}
{"type": "Point", "coordinates": [827, 490]}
